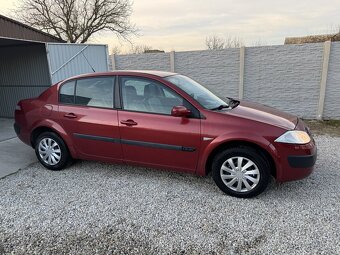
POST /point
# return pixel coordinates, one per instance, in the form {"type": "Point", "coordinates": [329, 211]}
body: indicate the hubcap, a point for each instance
{"type": "Point", "coordinates": [49, 151]}
{"type": "Point", "coordinates": [240, 174]}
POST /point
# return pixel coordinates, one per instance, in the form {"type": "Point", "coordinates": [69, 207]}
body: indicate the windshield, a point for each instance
{"type": "Point", "coordinates": [202, 95]}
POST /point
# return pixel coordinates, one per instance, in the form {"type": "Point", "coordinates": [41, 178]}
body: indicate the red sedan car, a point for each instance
{"type": "Point", "coordinates": [165, 120]}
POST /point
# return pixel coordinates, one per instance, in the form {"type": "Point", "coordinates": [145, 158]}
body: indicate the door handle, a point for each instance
{"type": "Point", "coordinates": [128, 122]}
{"type": "Point", "coordinates": [70, 115]}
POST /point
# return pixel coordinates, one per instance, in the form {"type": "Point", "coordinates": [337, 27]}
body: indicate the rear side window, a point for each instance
{"type": "Point", "coordinates": [67, 93]}
{"type": "Point", "coordinates": [97, 92]}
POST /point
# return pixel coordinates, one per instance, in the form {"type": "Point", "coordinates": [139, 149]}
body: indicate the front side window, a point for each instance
{"type": "Point", "coordinates": [144, 95]}
{"type": "Point", "coordinates": [202, 95]}
{"type": "Point", "coordinates": [96, 92]}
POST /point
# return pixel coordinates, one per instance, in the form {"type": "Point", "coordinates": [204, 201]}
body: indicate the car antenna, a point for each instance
{"type": "Point", "coordinates": [88, 62]}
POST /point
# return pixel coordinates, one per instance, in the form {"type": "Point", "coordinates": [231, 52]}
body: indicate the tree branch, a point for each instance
{"type": "Point", "coordinates": [78, 20]}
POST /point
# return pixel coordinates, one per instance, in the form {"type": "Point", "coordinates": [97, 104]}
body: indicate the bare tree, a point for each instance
{"type": "Point", "coordinates": [233, 42]}
{"type": "Point", "coordinates": [139, 49]}
{"type": "Point", "coordinates": [336, 36]}
{"type": "Point", "coordinates": [218, 43]}
{"type": "Point", "coordinates": [115, 50]}
{"type": "Point", "coordinates": [214, 43]}
{"type": "Point", "coordinates": [77, 20]}
{"type": "Point", "coordinates": [334, 29]}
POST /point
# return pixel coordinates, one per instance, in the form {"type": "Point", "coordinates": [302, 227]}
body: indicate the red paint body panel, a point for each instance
{"type": "Point", "coordinates": [265, 114]}
{"type": "Point", "coordinates": [187, 142]}
{"type": "Point", "coordinates": [162, 129]}
{"type": "Point", "coordinates": [92, 121]}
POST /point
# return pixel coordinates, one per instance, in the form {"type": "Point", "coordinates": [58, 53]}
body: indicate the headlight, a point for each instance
{"type": "Point", "coordinates": [294, 137]}
{"type": "Point", "coordinates": [18, 107]}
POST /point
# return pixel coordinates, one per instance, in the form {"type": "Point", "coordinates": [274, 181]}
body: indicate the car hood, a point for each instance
{"type": "Point", "coordinates": [265, 114]}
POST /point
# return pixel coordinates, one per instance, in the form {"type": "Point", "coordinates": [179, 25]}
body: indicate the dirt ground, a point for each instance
{"type": "Point", "coordinates": [330, 127]}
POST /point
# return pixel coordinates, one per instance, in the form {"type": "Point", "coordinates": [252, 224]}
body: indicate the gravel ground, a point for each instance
{"type": "Point", "coordinates": [94, 208]}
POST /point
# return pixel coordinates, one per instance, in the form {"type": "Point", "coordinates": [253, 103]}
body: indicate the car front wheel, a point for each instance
{"type": "Point", "coordinates": [241, 172]}
{"type": "Point", "coordinates": [52, 151]}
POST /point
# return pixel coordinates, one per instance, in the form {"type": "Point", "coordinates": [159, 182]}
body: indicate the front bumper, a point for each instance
{"type": "Point", "coordinates": [295, 161]}
{"type": "Point", "coordinates": [302, 161]}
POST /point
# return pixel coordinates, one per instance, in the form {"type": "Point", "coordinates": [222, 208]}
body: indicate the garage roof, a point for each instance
{"type": "Point", "coordinates": [14, 29]}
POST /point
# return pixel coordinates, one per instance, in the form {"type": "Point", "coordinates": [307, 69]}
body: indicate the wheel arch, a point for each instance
{"type": "Point", "coordinates": [239, 143]}
{"type": "Point", "coordinates": [51, 126]}
{"type": "Point", "coordinates": [39, 130]}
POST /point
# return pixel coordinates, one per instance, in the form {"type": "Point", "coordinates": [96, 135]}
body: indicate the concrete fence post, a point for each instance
{"type": "Point", "coordinates": [241, 74]}
{"type": "Point", "coordinates": [323, 83]}
{"type": "Point", "coordinates": [172, 61]}
{"type": "Point", "coordinates": [113, 62]}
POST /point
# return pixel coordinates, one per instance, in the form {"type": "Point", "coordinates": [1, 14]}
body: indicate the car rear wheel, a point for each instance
{"type": "Point", "coordinates": [52, 151]}
{"type": "Point", "coordinates": [241, 172]}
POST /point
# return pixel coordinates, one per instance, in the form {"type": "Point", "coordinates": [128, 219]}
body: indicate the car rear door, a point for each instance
{"type": "Point", "coordinates": [149, 134]}
{"type": "Point", "coordinates": [86, 111]}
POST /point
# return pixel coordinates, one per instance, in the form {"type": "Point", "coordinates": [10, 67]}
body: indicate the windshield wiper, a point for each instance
{"type": "Point", "coordinates": [233, 102]}
{"type": "Point", "coordinates": [220, 107]}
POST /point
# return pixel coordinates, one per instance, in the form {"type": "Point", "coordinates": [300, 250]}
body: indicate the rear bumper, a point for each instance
{"type": "Point", "coordinates": [22, 134]}
{"type": "Point", "coordinates": [17, 129]}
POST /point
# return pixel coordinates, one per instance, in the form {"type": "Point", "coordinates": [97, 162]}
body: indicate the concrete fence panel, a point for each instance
{"type": "Point", "coordinates": [303, 79]}
{"type": "Point", "coordinates": [217, 70]}
{"type": "Point", "coordinates": [149, 61]}
{"type": "Point", "coordinates": [286, 77]}
{"type": "Point", "coordinates": [332, 98]}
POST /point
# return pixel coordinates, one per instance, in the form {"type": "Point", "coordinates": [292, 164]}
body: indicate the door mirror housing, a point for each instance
{"type": "Point", "coordinates": [180, 111]}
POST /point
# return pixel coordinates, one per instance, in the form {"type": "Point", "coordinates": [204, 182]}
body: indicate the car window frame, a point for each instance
{"type": "Point", "coordinates": [74, 92]}
{"type": "Point", "coordinates": [114, 84]}
{"type": "Point", "coordinates": [196, 115]}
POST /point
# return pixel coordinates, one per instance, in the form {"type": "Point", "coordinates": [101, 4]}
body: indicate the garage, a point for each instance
{"type": "Point", "coordinates": [31, 61]}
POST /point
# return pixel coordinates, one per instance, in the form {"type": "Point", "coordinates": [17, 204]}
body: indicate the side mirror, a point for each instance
{"type": "Point", "coordinates": [180, 111]}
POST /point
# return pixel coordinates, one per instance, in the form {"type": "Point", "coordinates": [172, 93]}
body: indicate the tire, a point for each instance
{"type": "Point", "coordinates": [231, 179]}
{"type": "Point", "coordinates": [49, 143]}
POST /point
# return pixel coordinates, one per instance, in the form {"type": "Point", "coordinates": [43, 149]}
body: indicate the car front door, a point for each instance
{"type": "Point", "coordinates": [149, 134]}
{"type": "Point", "coordinates": [86, 111]}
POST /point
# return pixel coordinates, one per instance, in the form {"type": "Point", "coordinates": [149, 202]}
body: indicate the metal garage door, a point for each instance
{"type": "Point", "coordinates": [67, 60]}
{"type": "Point", "coordinates": [23, 73]}
{"type": "Point", "coordinates": [26, 70]}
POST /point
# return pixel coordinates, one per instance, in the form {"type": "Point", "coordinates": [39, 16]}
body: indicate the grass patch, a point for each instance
{"type": "Point", "coordinates": [322, 127]}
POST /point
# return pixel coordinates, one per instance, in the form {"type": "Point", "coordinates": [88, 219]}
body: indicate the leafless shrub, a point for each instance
{"type": "Point", "coordinates": [218, 43]}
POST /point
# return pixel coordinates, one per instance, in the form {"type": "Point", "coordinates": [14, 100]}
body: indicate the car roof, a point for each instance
{"type": "Point", "coordinates": [125, 72]}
